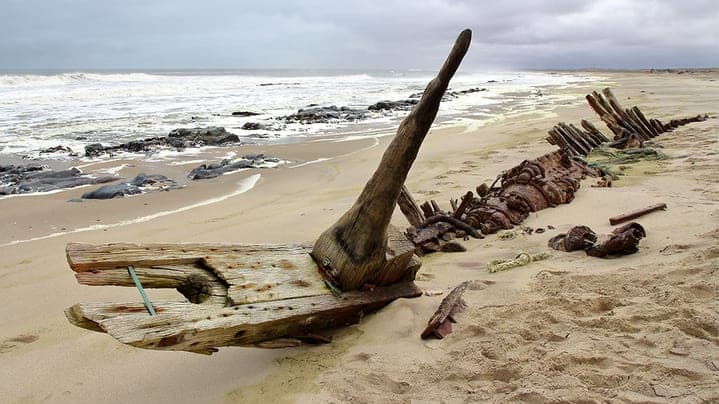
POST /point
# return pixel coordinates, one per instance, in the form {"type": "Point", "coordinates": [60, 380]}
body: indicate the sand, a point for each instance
{"type": "Point", "coordinates": [641, 328]}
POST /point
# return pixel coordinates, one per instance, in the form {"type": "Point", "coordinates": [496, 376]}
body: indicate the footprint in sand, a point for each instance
{"type": "Point", "coordinates": [12, 343]}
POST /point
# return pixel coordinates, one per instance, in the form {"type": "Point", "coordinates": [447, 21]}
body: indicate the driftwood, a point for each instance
{"type": "Point", "coordinates": [357, 245]}
{"type": "Point", "coordinates": [547, 181]}
{"type": "Point", "coordinates": [630, 126]}
{"type": "Point", "coordinates": [635, 214]}
{"type": "Point", "coordinates": [440, 324]}
{"type": "Point", "coordinates": [269, 295]}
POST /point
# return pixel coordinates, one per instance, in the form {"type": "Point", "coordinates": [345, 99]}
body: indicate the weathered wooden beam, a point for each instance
{"type": "Point", "coordinates": [409, 208]}
{"type": "Point", "coordinates": [248, 273]}
{"type": "Point", "coordinates": [190, 327]}
{"type": "Point", "coordinates": [440, 324]}
{"type": "Point", "coordinates": [356, 245]}
{"type": "Point", "coordinates": [589, 127]}
{"type": "Point", "coordinates": [641, 118]}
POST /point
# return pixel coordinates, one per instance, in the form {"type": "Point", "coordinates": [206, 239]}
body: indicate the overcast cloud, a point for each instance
{"type": "Point", "coordinates": [381, 34]}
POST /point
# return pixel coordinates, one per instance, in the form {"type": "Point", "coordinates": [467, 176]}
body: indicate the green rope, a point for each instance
{"type": "Point", "coordinates": [522, 259]}
{"type": "Point", "coordinates": [612, 161]}
{"type": "Point", "coordinates": [135, 279]}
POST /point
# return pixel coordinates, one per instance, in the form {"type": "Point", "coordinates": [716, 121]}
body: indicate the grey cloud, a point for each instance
{"type": "Point", "coordinates": [348, 34]}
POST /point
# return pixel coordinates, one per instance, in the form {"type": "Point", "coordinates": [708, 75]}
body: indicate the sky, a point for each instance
{"type": "Point", "coordinates": [363, 34]}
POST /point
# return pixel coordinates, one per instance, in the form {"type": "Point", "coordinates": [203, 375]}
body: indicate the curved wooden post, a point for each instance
{"type": "Point", "coordinates": [355, 249]}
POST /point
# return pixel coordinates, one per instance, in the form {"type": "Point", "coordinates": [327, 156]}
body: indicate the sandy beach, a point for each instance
{"type": "Point", "coordinates": [572, 328]}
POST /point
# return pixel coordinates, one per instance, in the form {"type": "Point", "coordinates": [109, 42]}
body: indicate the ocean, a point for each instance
{"type": "Point", "coordinates": [40, 110]}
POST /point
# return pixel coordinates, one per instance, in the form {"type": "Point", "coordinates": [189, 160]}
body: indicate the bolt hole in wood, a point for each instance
{"type": "Point", "coordinates": [196, 289]}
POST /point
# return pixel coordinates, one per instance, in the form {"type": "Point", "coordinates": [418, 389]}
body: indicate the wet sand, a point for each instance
{"type": "Point", "coordinates": [637, 328]}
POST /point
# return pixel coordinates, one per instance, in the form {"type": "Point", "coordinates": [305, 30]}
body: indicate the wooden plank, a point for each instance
{"type": "Point", "coordinates": [439, 324]}
{"type": "Point", "coordinates": [629, 120]}
{"type": "Point", "coordinates": [202, 328]}
{"type": "Point", "coordinates": [593, 130]}
{"type": "Point", "coordinates": [85, 257]}
{"type": "Point", "coordinates": [398, 256]}
{"type": "Point", "coordinates": [616, 118]}
{"type": "Point", "coordinates": [194, 281]}
{"type": "Point", "coordinates": [640, 116]}
{"type": "Point", "coordinates": [282, 275]}
{"type": "Point", "coordinates": [409, 207]}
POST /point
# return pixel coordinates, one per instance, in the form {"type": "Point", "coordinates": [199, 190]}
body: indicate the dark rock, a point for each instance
{"type": "Point", "coordinates": [112, 191]}
{"type": "Point", "coordinates": [213, 170]}
{"type": "Point", "coordinates": [245, 113]}
{"type": "Point", "coordinates": [450, 95]}
{"type": "Point", "coordinates": [56, 149]}
{"type": "Point", "coordinates": [178, 138]}
{"type": "Point", "coordinates": [32, 178]}
{"type": "Point", "coordinates": [468, 91]}
{"type": "Point", "coordinates": [278, 84]}
{"type": "Point", "coordinates": [141, 183]}
{"type": "Point", "coordinates": [253, 126]}
{"type": "Point", "coordinates": [206, 171]}
{"type": "Point", "coordinates": [94, 150]}
{"type": "Point", "coordinates": [326, 114]}
{"type": "Point", "coordinates": [392, 105]}
{"type": "Point", "coordinates": [143, 180]}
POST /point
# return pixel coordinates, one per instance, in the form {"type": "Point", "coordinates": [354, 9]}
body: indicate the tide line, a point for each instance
{"type": "Point", "coordinates": [244, 186]}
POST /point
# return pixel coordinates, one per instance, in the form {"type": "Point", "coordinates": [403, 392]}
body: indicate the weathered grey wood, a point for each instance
{"type": "Point", "coordinates": [644, 121]}
{"type": "Point", "coordinates": [577, 146]}
{"type": "Point", "coordinates": [282, 275]}
{"type": "Point", "coordinates": [627, 118]}
{"type": "Point", "coordinates": [356, 245]}
{"type": "Point", "coordinates": [84, 257]}
{"type": "Point", "coordinates": [194, 281]}
{"type": "Point", "coordinates": [439, 324]}
{"type": "Point", "coordinates": [246, 273]}
{"type": "Point", "coordinates": [610, 117]}
{"type": "Point", "coordinates": [409, 207]}
{"type": "Point", "coordinates": [202, 328]}
{"type": "Point", "coordinates": [589, 127]}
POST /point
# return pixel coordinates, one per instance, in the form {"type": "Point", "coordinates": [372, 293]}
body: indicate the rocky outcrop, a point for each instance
{"type": "Point", "coordinates": [33, 178]}
{"type": "Point", "coordinates": [58, 149]}
{"type": "Point", "coordinates": [213, 170]}
{"type": "Point", "coordinates": [141, 183]}
{"type": "Point", "coordinates": [245, 113]}
{"type": "Point", "coordinates": [178, 138]}
{"type": "Point", "coordinates": [332, 113]}
{"type": "Point", "coordinates": [450, 95]}
{"type": "Point", "coordinates": [393, 105]}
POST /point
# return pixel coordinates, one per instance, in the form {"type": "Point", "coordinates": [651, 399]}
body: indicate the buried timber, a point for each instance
{"type": "Point", "coordinates": [256, 294]}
